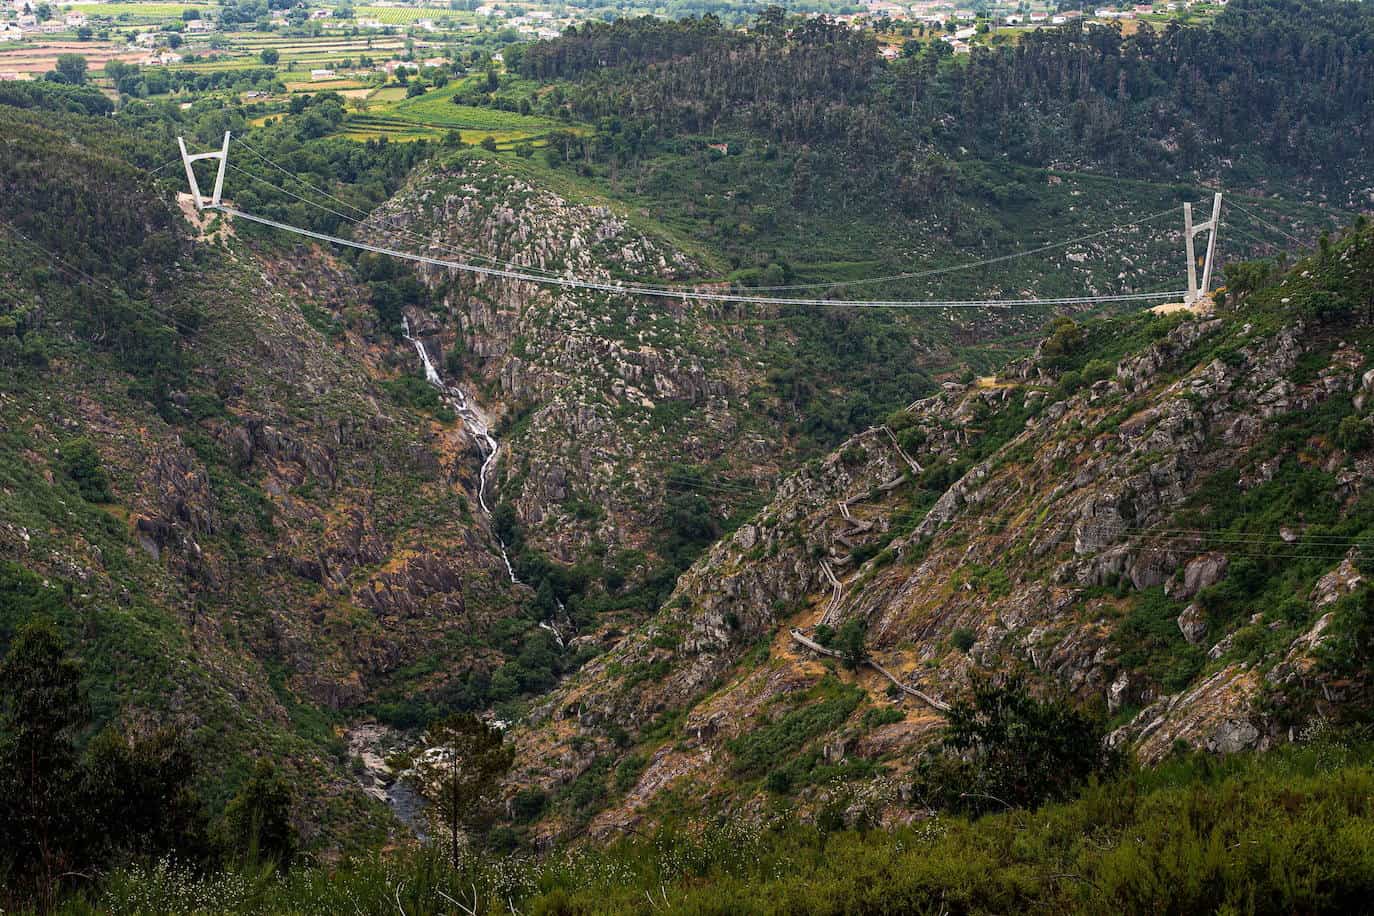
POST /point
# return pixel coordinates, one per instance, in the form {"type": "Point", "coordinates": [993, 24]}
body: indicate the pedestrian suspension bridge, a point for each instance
{"type": "Point", "coordinates": [471, 262]}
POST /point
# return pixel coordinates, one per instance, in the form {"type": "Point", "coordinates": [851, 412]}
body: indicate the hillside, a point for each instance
{"type": "Point", "coordinates": [228, 486]}
{"type": "Point", "coordinates": [1162, 516]}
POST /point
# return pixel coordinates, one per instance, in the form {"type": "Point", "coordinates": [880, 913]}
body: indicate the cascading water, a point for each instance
{"type": "Point", "coordinates": [476, 425]}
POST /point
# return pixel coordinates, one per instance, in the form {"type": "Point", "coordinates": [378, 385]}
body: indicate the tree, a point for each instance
{"type": "Point", "coordinates": [141, 791]}
{"type": "Point", "coordinates": [460, 773]}
{"type": "Point", "coordinates": [849, 641]}
{"type": "Point", "coordinates": [489, 143]}
{"type": "Point", "coordinates": [42, 709]}
{"type": "Point", "coordinates": [61, 813]}
{"type": "Point", "coordinates": [269, 56]}
{"type": "Point", "coordinates": [1066, 337]}
{"type": "Point", "coordinates": [173, 40]}
{"type": "Point", "coordinates": [72, 68]}
{"type": "Point", "coordinates": [1004, 748]}
{"type": "Point", "coordinates": [256, 825]}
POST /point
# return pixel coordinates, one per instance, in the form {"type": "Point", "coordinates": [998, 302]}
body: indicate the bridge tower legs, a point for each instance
{"type": "Point", "coordinates": [1196, 292]}
{"type": "Point", "coordinates": [222, 155]}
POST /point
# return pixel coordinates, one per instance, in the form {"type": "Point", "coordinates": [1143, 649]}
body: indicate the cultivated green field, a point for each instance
{"type": "Point", "coordinates": [141, 11]}
{"type": "Point", "coordinates": [436, 109]}
{"type": "Point", "coordinates": [403, 15]}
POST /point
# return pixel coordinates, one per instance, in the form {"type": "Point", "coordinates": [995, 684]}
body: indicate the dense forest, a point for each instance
{"type": "Point", "coordinates": [1281, 88]}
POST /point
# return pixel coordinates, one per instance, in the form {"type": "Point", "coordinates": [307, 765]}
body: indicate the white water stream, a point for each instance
{"type": "Point", "coordinates": [475, 423]}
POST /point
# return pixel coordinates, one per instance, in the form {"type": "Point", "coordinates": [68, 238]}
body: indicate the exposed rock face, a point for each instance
{"type": "Point", "coordinates": [614, 388]}
{"type": "Point", "coordinates": [1029, 557]}
{"type": "Point", "coordinates": [1192, 623]}
{"type": "Point", "coordinates": [1199, 573]}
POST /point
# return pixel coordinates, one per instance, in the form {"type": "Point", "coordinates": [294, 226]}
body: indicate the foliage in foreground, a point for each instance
{"type": "Point", "coordinates": [1290, 831]}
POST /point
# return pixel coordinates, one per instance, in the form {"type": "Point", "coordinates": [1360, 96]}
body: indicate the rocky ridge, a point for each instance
{"type": "Point", "coordinates": [1105, 537]}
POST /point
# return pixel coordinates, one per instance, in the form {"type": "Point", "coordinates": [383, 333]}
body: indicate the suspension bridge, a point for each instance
{"type": "Point", "coordinates": [470, 262]}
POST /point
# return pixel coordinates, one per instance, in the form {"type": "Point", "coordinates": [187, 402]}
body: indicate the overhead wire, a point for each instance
{"type": "Point", "coordinates": [366, 217]}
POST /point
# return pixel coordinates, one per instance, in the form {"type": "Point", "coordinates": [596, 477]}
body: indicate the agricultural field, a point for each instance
{"type": "Point", "coordinates": [39, 57]}
{"type": "Point", "coordinates": [140, 12]}
{"type": "Point", "coordinates": [436, 109]}
{"type": "Point", "coordinates": [404, 15]}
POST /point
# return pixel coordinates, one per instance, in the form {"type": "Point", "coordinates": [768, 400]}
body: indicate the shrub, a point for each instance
{"type": "Point", "coordinates": [1353, 434]}
{"type": "Point", "coordinates": [963, 639]}
{"type": "Point", "coordinates": [1007, 749]}
{"type": "Point", "coordinates": [82, 462]}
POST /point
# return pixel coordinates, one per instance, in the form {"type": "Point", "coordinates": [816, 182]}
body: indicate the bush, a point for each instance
{"type": "Point", "coordinates": [1007, 749]}
{"type": "Point", "coordinates": [963, 639]}
{"type": "Point", "coordinates": [84, 465]}
{"type": "Point", "coordinates": [1353, 434]}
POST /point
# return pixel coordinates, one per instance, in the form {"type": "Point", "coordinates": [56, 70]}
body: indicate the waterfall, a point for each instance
{"type": "Point", "coordinates": [476, 425]}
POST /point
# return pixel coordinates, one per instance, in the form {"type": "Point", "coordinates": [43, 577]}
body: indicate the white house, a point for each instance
{"type": "Point", "coordinates": [199, 25]}
{"type": "Point", "coordinates": [321, 74]}
{"type": "Point", "coordinates": [365, 22]}
{"type": "Point", "coordinates": [75, 20]}
{"type": "Point", "coordinates": [965, 34]}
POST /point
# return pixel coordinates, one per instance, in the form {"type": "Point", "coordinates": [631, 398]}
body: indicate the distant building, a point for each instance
{"type": "Point", "coordinates": [199, 25]}
{"type": "Point", "coordinates": [75, 20]}
{"type": "Point", "coordinates": [367, 23]}
{"type": "Point", "coordinates": [322, 13]}
{"type": "Point", "coordinates": [321, 74]}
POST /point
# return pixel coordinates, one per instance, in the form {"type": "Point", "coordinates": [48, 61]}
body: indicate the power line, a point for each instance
{"type": "Point", "coordinates": [914, 275]}
{"type": "Point", "coordinates": [366, 216]}
{"type": "Point", "coordinates": [86, 279]}
{"type": "Point", "coordinates": [1262, 221]}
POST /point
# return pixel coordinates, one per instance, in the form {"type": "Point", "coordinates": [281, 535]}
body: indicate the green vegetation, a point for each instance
{"type": "Point", "coordinates": [1277, 833]}
{"type": "Point", "coordinates": [1004, 748]}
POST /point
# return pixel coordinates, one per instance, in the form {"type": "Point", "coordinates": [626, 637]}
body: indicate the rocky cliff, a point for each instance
{"type": "Point", "coordinates": [599, 392]}
{"type": "Point", "coordinates": [1160, 515]}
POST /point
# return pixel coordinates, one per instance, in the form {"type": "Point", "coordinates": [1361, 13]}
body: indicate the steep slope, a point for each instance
{"type": "Point", "coordinates": [236, 494]}
{"type": "Point", "coordinates": [608, 404]}
{"type": "Point", "coordinates": [1160, 514]}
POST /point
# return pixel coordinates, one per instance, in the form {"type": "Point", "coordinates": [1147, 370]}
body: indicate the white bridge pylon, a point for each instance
{"type": "Point", "coordinates": [1189, 231]}
{"type": "Point", "coordinates": [222, 155]}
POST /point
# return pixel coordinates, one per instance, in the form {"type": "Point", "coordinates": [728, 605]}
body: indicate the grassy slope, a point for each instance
{"type": "Point", "coordinates": [1292, 831]}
